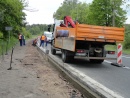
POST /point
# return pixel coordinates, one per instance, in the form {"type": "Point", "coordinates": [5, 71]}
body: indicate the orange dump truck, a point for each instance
{"type": "Point", "coordinates": [84, 40]}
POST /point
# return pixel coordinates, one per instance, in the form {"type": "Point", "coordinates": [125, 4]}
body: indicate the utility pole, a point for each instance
{"type": "Point", "coordinates": [8, 41]}
{"type": "Point", "coordinates": [113, 13]}
{"type": "Point", "coordinates": [113, 17]}
{"type": "Point", "coordinates": [77, 11]}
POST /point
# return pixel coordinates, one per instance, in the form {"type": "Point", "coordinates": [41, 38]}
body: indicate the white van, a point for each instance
{"type": "Point", "coordinates": [48, 35]}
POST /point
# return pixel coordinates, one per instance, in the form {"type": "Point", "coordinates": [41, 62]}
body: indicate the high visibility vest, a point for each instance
{"type": "Point", "coordinates": [43, 37]}
{"type": "Point", "coordinates": [20, 36]}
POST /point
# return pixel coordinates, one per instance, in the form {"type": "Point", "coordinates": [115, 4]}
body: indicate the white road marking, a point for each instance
{"type": "Point", "coordinates": [107, 61]}
{"type": "Point", "coordinates": [111, 62]}
{"type": "Point", "coordinates": [126, 67]}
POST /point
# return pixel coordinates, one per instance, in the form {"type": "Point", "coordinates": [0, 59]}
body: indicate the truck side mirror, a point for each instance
{"type": "Point", "coordinates": [53, 27]}
{"type": "Point", "coordinates": [49, 28]}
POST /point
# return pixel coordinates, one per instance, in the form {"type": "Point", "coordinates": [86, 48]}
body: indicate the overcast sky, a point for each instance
{"type": "Point", "coordinates": [43, 11]}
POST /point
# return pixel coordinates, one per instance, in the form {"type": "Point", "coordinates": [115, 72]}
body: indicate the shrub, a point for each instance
{"type": "Point", "coordinates": [127, 41]}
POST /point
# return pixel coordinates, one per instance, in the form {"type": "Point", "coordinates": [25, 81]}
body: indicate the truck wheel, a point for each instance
{"type": "Point", "coordinates": [53, 51]}
{"type": "Point", "coordinates": [65, 57]}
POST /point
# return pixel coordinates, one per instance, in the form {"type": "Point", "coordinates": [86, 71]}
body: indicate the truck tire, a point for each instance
{"type": "Point", "coordinates": [53, 51]}
{"type": "Point", "coordinates": [65, 56]}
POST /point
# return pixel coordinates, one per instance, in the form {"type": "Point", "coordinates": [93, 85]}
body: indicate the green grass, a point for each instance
{"type": "Point", "coordinates": [111, 47]}
{"type": "Point", "coordinates": [114, 48]}
{"type": "Point", "coordinates": [3, 45]}
{"type": "Point", "coordinates": [126, 51]}
{"type": "Point", "coordinates": [13, 41]}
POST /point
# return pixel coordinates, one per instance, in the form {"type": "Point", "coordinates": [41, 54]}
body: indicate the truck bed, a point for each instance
{"type": "Point", "coordinates": [95, 33]}
{"type": "Point", "coordinates": [99, 33]}
{"type": "Point", "coordinates": [88, 33]}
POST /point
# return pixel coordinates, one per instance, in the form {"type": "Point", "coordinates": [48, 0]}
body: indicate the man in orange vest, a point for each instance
{"type": "Point", "coordinates": [20, 39]}
{"type": "Point", "coordinates": [43, 37]}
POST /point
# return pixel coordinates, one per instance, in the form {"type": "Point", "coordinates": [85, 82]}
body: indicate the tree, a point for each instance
{"type": "Point", "coordinates": [36, 29]}
{"type": "Point", "coordinates": [12, 16]}
{"type": "Point", "coordinates": [65, 9]}
{"type": "Point", "coordinates": [107, 13]}
{"type": "Point", "coordinates": [126, 44]}
{"type": "Point", "coordinates": [127, 28]}
{"type": "Point", "coordinates": [81, 12]}
{"type": "Point", "coordinates": [75, 9]}
{"type": "Point", "coordinates": [26, 33]}
{"type": "Point", "coordinates": [127, 41]}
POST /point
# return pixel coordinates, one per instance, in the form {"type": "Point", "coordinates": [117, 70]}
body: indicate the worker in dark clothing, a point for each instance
{"type": "Point", "coordinates": [35, 41]}
{"type": "Point", "coordinates": [62, 24]}
{"type": "Point", "coordinates": [23, 39]}
{"type": "Point", "coordinates": [20, 39]}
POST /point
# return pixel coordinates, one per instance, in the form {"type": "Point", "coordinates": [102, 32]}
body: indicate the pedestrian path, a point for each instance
{"type": "Point", "coordinates": [19, 82]}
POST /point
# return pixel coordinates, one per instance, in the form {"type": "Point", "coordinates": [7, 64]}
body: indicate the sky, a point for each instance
{"type": "Point", "coordinates": [42, 11]}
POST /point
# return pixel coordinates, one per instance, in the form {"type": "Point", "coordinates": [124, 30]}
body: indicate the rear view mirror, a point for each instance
{"type": "Point", "coordinates": [49, 28]}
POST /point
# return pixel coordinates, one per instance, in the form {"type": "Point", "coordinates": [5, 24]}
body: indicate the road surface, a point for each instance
{"type": "Point", "coordinates": [115, 78]}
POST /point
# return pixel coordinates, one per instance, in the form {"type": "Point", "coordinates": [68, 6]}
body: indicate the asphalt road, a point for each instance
{"type": "Point", "coordinates": [115, 78]}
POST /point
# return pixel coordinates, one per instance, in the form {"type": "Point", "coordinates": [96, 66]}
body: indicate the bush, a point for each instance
{"type": "Point", "coordinates": [3, 44]}
{"type": "Point", "coordinates": [127, 41]}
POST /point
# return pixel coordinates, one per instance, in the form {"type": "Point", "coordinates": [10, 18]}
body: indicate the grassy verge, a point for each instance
{"type": "Point", "coordinates": [13, 41]}
{"type": "Point", "coordinates": [126, 51]}
{"type": "Point", "coordinates": [114, 48]}
{"type": "Point", "coordinates": [7, 45]}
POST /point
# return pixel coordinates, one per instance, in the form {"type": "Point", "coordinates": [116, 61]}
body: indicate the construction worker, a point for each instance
{"type": "Point", "coordinates": [20, 39]}
{"type": "Point", "coordinates": [62, 24]}
{"type": "Point", "coordinates": [43, 37]}
{"type": "Point", "coordinates": [23, 39]}
{"type": "Point", "coordinates": [46, 41]}
{"type": "Point", "coordinates": [35, 41]}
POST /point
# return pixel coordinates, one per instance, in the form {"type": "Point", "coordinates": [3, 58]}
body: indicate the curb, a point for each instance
{"type": "Point", "coordinates": [86, 85]}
